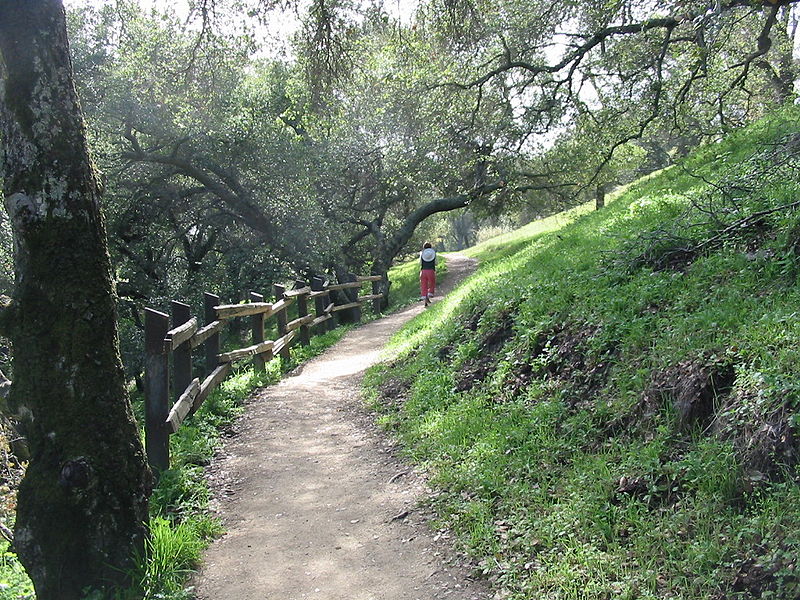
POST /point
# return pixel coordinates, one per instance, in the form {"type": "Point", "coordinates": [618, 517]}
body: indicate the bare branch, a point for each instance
{"type": "Point", "coordinates": [7, 533]}
{"type": "Point", "coordinates": [763, 44]}
{"type": "Point", "coordinates": [573, 59]}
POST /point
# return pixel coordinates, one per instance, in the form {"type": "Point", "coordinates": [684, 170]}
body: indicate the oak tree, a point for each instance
{"type": "Point", "coordinates": [82, 506]}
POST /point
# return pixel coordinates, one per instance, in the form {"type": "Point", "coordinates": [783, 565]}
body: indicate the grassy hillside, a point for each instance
{"type": "Point", "coordinates": [611, 404]}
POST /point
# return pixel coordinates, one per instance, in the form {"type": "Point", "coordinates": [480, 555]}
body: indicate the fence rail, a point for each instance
{"type": "Point", "coordinates": [172, 391]}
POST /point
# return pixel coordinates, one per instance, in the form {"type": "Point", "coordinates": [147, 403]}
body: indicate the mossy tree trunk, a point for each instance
{"type": "Point", "coordinates": [82, 507]}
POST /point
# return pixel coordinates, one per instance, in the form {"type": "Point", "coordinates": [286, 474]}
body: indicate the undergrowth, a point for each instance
{"type": "Point", "coordinates": [181, 525]}
{"type": "Point", "coordinates": [609, 406]}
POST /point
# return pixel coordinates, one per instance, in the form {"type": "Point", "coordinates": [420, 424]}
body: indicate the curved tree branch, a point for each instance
{"type": "Point", "coordinates": [400, 237]}
{"type": "Point", "coordinates": [763, 44]}
{"type": "Point", "coordinates": [216, 181]}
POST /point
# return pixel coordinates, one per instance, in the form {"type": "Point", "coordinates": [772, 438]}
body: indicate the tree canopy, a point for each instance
{"type": "Point", "coordinates": [374, 124]}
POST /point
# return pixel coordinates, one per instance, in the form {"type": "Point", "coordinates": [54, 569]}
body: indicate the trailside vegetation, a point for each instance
{"type": "Point", "coordinates": [610, 405]}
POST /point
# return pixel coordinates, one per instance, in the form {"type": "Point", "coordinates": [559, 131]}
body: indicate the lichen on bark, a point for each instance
{"type": "Point", "coordinates": [82, 507]}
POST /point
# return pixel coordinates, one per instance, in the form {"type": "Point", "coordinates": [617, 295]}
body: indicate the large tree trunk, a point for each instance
{"type": "Point", "coordinates": [82, 507]}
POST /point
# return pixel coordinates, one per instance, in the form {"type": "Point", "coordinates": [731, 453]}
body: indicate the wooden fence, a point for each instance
{"type": "Point", "coordinates": [172, 344]}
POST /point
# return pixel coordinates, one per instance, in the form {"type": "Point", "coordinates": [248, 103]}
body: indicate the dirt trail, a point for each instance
{"type": "Point", "coordinates": [316, 504]}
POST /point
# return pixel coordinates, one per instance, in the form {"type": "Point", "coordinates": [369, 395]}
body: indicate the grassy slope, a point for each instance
{"type": "Point", "coordinates": [608, 420]}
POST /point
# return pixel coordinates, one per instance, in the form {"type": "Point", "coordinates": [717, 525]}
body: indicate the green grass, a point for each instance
{"type": "Point", "coordinates": [566, 466]}
{"type": "Point", "coordinates": [14, 581]}
{"type": "Point", "coordinates": [173, 551]}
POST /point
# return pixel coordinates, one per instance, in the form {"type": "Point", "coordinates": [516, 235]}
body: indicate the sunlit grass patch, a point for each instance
{"type": "Point", "coordinates": [609, 404]}
{"type": "Point", "coordinates": [14, 581]}
{"type": "Point", "coordinates": [173, 552]}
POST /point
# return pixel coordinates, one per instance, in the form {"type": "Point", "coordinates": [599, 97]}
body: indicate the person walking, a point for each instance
{"type": "Point", "coordinates": [427, 273]}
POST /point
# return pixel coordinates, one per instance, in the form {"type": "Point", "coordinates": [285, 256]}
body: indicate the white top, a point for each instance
{"type": "Point", "coordinates": [428, 254]}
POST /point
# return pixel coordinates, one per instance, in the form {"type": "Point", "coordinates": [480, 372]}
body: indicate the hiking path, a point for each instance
{"type": "Point", "coordinates": [314, 498]}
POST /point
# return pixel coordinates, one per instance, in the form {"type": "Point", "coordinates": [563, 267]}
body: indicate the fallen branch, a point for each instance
{"type": "Point", "coordinates": [399, 516]}
{"type": "Point", "coordinates": [397, 476]}
{"type": "Point", "coordinates": [742, 223]}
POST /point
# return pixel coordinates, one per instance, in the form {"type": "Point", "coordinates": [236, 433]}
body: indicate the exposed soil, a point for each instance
{"type": "Point", "coordinates": [394, 391]}
{"type": "Point", "coordinates": [693, 387]}
{"type": "Point", "coordinates": [772, 573]}
{"type": "Point", "coordinates": [563, 354]}
{"type": "Point", "coordinates": [767, 442]}
{"type": "Point", "coordinates": [474, 371]}
{"type": "Point", "coordinates": [315, 500]}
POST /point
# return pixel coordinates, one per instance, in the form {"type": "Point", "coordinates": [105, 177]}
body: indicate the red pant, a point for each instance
{"type": "Point", "coordinates": [427, 282]}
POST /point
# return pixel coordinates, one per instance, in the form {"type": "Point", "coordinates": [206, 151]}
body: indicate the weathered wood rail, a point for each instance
{"type": "Point", "coordinates": [172, 391]}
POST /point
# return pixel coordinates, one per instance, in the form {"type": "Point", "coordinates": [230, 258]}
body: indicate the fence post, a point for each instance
{"type": "Point", "coordinates": [302, 311]}
{"type": "Point", "coordinates": [182, 356]}
{"type": "Point", "coordinates": [376, 302]}
{"type": "Point", "coordinates": [317, 285]}
{"type": "Point", "coordinates": [257, 322]}
{"type": "Point", "coordinates": [156, 390]}
{"type": "Point", "coordinates": [212, 343]}
{"type": "Point", "coordinates": [281, 319]}
{"type": "Point", "coordinates": [351, 277]}
{"type": "Point", "coordinates": [333, 322]}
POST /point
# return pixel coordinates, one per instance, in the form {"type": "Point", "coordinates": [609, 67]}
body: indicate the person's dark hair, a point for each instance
{"type": "Point", "coordinates": [427, 245]}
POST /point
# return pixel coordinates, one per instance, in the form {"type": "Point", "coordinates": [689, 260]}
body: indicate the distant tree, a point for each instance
{"type": "Point", "coordinates": [394, 150]}
{"type": "Point", "coordinates": [696, 66]}
{"type": "Point", "coordinates": [333, 161]}
{"type": "Point", "coordinates": [216, 150]}
{"type": "Point", "coordinates": [193, 144]}
{"type": "Point", "coordinates": [576, 169]}
{"type": "Point", "coordinates": [462, 230]}
{"type": "Point", "coordinates": [553, 97]}
{"type": "Point", "coordinates": [82, 506]}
